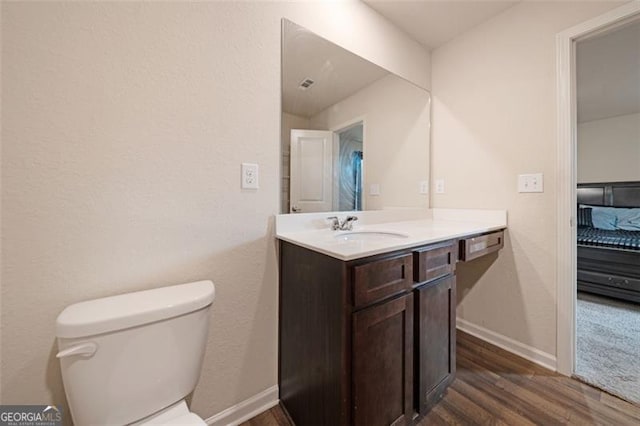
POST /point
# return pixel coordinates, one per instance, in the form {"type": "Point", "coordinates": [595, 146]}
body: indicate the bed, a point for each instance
{"type": "Point", "coordinates": [608, 259]}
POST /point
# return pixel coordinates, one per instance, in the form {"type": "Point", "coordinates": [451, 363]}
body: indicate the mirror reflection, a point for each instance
{"type": "Point", "coordinates": [354, 136]}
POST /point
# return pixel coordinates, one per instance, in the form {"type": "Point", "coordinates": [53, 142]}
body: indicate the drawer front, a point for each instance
{"type": "Point", "coordinates": [434, 262]}
{"type": "Point", "coordinates": [617, 281]}
{"type": "Point", "coordinates": [380, 279]}
{"type": "Point", "coordinates": [474, 247]}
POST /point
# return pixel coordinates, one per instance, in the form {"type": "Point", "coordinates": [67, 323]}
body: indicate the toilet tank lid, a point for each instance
{"type": "Point", "coordinates": [133, 309]}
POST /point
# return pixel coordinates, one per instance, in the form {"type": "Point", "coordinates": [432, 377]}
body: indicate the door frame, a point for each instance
{"type": "Point", "coordinates": [566, 169]}
{"type": "Point", "coordinates": [327, 168]}
{"type": "Point", "coordinates": [336, 152]}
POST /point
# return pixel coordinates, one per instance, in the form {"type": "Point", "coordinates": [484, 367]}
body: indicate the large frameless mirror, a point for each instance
{"type": "Point", "coordinates": [354, 136]}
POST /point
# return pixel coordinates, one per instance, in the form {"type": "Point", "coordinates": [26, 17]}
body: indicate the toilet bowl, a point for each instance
{"type": "Point", "coordinates": [132, 359]}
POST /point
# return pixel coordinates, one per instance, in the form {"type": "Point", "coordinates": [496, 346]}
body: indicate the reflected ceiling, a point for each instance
{"type": "Point", "coordinates": [337, 73]}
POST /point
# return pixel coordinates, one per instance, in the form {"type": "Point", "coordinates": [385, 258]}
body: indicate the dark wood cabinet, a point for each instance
{"type": "Point", "coordinates": [380, 279]}
{"type": "Point", "coordinates": [481, 245]}
{"type": "Point", "coordinates": [366, 342]}
{"type": "Point", "coordinates": [314, 361]}
{"type": "Point", "coordinates": [434, 261]}
{"type": "Point", "coordinates": [435, 340]}
{"type": "Point", "coordinates": [383, 363]}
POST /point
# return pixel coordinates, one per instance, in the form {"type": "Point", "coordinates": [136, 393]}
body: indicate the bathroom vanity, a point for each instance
{"type": "Point", "coordinates": [367, 318]}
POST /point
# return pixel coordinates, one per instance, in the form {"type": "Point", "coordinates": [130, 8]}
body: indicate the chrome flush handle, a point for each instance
{"type": "Point", "coordinates": [83, 349]}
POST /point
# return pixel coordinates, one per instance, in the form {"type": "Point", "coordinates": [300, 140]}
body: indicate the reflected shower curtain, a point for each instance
{"type": "Point", "coordinates": [357, 179]}
{"type": "Point", "coordinates": [350, 175]}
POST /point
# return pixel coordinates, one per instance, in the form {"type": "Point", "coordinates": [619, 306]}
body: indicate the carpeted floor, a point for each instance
{"type": "Point", "coordinates": [608, 345]}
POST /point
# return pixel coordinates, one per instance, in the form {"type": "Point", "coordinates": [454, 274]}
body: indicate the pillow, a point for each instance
{"type": "Point", "coordinates": [628, 219]}
{"type": "Point", "coordinates": [613, 218]}
{"type": "Point", "coordinates": [584, 217]}
{"type": "Point", "coordinates": [603, 217]}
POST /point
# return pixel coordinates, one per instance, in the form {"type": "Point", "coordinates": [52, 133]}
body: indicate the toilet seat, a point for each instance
{"type": "Point", "coordinates": [177, 414]}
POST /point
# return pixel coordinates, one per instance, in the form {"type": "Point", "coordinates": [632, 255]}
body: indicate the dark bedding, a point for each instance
{"type": "Point", "coordinates": [628, 240]}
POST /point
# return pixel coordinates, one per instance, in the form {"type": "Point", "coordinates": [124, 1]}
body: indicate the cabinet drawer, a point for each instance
{"type": "Point", "coordinates": [617, 281]}
{"type": "Point", "coordinates": [380, 279]}
{"type": "Point", "coordinates": [474, 247]}
{"type": "Point", "coordinates": [435, 261]}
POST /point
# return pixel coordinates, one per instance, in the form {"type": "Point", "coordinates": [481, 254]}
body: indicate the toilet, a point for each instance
{"type": "Point", "coordinates": [131, 359]}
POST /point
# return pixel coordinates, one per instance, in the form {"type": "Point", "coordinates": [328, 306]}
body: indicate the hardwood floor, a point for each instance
{"type": "Point", "coordinates": [495, 387]}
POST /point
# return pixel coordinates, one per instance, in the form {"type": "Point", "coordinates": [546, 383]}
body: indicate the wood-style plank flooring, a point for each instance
{"type": "Point", "coordinates": [495, 387]}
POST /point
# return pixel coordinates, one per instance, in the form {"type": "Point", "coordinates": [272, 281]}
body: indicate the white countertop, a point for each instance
{"type": "Point", "coordinates": [420, 227]}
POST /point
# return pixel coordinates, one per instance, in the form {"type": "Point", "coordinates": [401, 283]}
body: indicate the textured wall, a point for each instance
{"type": "Point", "coordinates": [609, 149]}
{"type": "Point", "coordinates": [494, 115]}
{"type": "Point", "coordinates": [124, 126]}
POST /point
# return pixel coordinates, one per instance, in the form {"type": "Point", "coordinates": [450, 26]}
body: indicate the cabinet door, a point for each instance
{"type": "Point", "coordinates": [435, 340]}
{"type": "Point", "coordinates": [383, 363]}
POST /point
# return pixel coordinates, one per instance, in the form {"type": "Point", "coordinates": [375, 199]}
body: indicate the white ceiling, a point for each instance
{"type": "Point", "coordinates": [434, 22]}
{"type": "Point", "coordinates": [608, 80]}
{"type": "Point", "coordinates": [337, 72]}
{"type": "Point", "coordinates": [608, 74]}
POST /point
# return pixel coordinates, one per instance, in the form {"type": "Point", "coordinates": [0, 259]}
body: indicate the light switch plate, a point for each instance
{"type": "Point", "coordinates": [532, 182]}
{"type": "Point", "coordinates": [249, 176]}
{"type": "Point", "coordinates": [374, 189]}
{"type": "Point", "coordinates": [439, 186]}
{"type": "Point", "coordinates": [423, 187]}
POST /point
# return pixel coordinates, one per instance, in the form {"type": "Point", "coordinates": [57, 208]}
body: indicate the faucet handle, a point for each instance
{"type": "Point", "coordinates": [348, 222]}
{"type": "Point", "coordinates": [335, 222]}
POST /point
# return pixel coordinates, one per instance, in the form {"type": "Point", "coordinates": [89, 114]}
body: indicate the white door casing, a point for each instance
{"type": "Point", "coordinates": [566, 172]}
{"type": "Point", "coordinates": [311, 171]}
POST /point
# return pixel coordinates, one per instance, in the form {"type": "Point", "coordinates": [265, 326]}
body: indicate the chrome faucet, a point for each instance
{"type": "Point", "coordinates": [342, 225]}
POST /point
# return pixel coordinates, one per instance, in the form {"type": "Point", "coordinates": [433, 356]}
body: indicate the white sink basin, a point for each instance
{"type": "Point", "coordinates": [370, 236]}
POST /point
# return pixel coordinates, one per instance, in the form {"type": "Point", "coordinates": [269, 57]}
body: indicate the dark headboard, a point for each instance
{"type": "Point", "coordinates": [614, 194]}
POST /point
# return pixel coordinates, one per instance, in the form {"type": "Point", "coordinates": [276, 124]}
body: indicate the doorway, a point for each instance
{"type": "Point", "coordinates": [348, 168]}
{"type": "Point", "coordinates": [608, 220]}
{"type": "Point", "coordinates": [327, 169]}
{"type": "Point", "coordinates": [567, 208]}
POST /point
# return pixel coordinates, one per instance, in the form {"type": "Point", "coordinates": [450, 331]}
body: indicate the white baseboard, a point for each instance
{"type": "Point", "coordinates": [246, 409]}
{"type": "Point", "coordinates": [544, 359]}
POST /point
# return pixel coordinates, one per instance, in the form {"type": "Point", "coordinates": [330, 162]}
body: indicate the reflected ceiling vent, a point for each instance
{"type": "Point", "coordinates": [306, 83]}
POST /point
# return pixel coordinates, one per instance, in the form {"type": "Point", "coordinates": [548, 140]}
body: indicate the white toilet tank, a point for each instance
{"type": "Point", "coordinates": [127, 357]}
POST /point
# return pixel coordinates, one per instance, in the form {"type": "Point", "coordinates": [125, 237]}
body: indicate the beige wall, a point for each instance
{"type": "Point", "coordinates": [396, 118]}
{"type": "Point", "coordinates": [609, 149]}
{"type": "Point", "coordinates": [494, 115]}
{"type": "Point", "coordinates": [124, 126]}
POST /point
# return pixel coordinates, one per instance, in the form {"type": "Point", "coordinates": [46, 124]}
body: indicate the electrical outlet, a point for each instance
{"type": "Point", "coordinates": [424, 187]}
{"type": "Point", "coordinates": [439, 186]}
{"type": "Point", "coordinates": [249, 176]}
{"type": "Point", "coordinates": [374, 189]}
